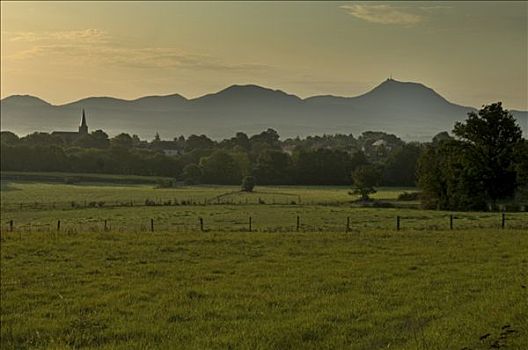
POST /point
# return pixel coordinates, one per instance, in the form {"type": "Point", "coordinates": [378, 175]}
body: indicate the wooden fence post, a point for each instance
{"type": "Point", "coordinates": [348, 224]}
{"type": "Point", "coordinates": [397, 223]}
{"type": "Point", "coordinates": [58, 225]}
{"type": "Point", "coordinates": [105, 226]}
{"type": "Point", "coordinates": [503, 224]}
{"type": "Point", "coordinates": [298, 223]}
{"type": "Point", "coordinates": [151, 225]}
{"type": "Point", "coordinates": [11, 226]}
{"type": "Point", "coordinates": [250, 224]}
{"type": "Point", "coordinates": [201, 225]}
{"type": "Point", "coordinates": [451, 221]}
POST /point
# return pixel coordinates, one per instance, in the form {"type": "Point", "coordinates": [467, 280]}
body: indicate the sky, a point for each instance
{"type": "Point", "coordinates": [472, 53]}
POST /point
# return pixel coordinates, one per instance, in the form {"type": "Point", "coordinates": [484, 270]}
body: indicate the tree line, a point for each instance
{"type": "Point", "coordinates": [483, 161]}
{"type": "Point", "coordinates": [315, 160]}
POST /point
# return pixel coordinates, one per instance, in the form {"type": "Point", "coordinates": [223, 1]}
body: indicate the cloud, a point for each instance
{"type": "Point", "coordinates": [385, 14]}
{"type": "Point", "coordinates": [86, 35]}
{"type": "Point", "coordinates": [92, 46]}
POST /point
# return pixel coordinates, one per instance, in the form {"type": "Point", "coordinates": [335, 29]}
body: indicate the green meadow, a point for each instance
{"type": "Point", "coordinates": [318, 285]}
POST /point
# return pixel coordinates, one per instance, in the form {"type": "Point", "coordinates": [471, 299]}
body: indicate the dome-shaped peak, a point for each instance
{"type": "Point", "coordinates": [243, 94]}
{"type": "Point", "coordinates": [392, 89]}
{"type": "Point", "coordinates": [248, 89]}
{"type": "Point", "coordinates": [393, 83]}
{"type": "Point", "coordinates": [24, 100]}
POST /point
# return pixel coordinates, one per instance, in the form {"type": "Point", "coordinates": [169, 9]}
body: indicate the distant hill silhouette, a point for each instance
{"type": "Point", "coordinates": [410, 110]}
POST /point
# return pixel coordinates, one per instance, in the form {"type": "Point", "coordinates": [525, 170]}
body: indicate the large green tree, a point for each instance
{"type": "Point", "coordinates": [322, 167]}
{"type": "Point", "coordinates": [192, 174]}
{"type": "Point", "coordinates": [475, 169]}
{"type": "Point", "coordinates": [273, 167]}
{"type": "Point", "coordinates": [447, 180]}
{"type": "Point", "coordinates": [220, 168]}
{"type": "Point", "coordinates": [489, 139]}
{"type": "Point", "coordinates": [400, 167]}
{"type": "Point", "coordinates": [521, 160]}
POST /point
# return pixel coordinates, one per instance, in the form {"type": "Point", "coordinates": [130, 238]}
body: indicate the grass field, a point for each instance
{"type": "Point", "coordinates": [423, 287]}
{"type": "Point", "coordinates": [38, 206]}
{"type": "Point", "coordinates": [371, 290]}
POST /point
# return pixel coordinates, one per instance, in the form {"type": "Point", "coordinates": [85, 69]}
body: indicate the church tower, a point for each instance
{"type": "Point", "coordinates": [83, 128]}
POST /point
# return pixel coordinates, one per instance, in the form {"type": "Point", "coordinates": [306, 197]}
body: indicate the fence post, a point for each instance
{"type": "Point", "coordinates": [298, 222]}
{"type": "Point", "coordinates": [397, 223]}
{"type": "Point", "coordinates": [451, 221]}
{"type": "Point", "coordinates": [503, 224]}
{"type": "Point", "coordinates": [105, 226]}
{"type": "Point", "coordinates": [348, 224]}
{"type": "Point", "coordinates": [201, 224]}
{"type": "Point", "coordinates": [250, 224]}
{"type": "Point", "coordinates": [58, 225]}
{"type": "Point", "coordinates": [11, 226]}
{"type": "Point", "coordinates": [151, 225]}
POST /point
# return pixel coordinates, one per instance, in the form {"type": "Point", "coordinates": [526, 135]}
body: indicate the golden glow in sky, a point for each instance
{"type": "Point", "coordinates": [472, 53]}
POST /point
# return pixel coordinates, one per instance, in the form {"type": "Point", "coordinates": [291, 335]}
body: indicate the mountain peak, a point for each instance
{"type": "Point", "coordinates": [393, 83]}
{"type": "Point", "coordinates": [403, 92]}
{"type": "Point", "coordinates": [249, 90]}
{"type": "Point", "coordinates": [242, 94]}
{"type": "Point", "coordinates": [27, 100]}
{"type": "Point", "coordinates": [173, 97]}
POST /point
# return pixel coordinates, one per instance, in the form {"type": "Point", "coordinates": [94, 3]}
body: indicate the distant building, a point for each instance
{"type": "Point", "coordinates": [380, 143]}
{"type": "Point", "coordinates": [171, 152]}
{"type": "Point", "coordinates": [70, 136]}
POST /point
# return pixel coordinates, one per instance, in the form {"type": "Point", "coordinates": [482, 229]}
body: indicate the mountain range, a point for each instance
{"type": "Point", "coordinates": [407, 109]}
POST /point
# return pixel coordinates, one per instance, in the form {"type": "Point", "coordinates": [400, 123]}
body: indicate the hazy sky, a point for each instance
{"type": "Point", "coordinates": [470, 52]}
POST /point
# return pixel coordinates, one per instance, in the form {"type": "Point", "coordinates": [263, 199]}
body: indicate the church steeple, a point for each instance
{"type": "Point", "coordinates": [83, 128]}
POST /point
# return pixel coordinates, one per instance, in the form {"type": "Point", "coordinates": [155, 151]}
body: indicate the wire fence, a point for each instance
{"type": "Point", "coordinates": [156, 202]}
{"type": "Point", "coordinates": [298, 223]}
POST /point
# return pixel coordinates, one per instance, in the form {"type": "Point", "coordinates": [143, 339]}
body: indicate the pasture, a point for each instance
{"type": "Point", "coordinates": [37, 206]}
{"type": "Point", "coordinates": [373, 287]}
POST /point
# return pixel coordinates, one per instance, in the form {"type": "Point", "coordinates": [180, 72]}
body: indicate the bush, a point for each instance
{"type": "Point", "coordinates": [150, 202]}
{"type": "Point", "coordinates": [71, 180]}
{"type": "Point", "coordinates": [248, 183]}
{"type": "Point", "coordinates": [165, 183]}
{"type": "Point", "coordinates": [381, 204]}
{"type": "Point", "coordinates": [409, 196]}
{"type": "Point", "coordinates": [364, 178]}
